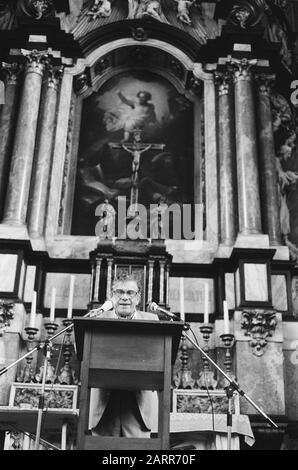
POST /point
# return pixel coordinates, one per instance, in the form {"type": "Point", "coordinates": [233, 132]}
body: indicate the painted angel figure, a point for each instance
{"type": "Point", "coordinates": [142, 8]}
{"type": "Point", "coordinates": [142, 112]}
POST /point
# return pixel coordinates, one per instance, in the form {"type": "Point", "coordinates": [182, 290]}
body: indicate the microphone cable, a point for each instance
{"type": "Point", "coordinates": [51, 388]}
{"type": "Point", "coordinates": [206, 384]}
{"type": "Point", "coordinates": [14, 428]}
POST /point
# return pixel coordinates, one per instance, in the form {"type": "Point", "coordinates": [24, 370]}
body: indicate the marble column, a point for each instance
{"type": "Point", "coordinates": [15, 209]}
{"type": "Point", "coordinates": [269, 183]}
{"type": "Point", "coordinates": [97, 279]}
{"type": "Point", "coordinates": [109, 277]}
{"type": "Point", "coordinates": [249, 208]}
{"type": "Point", "coordinates": [150, 280]}
{"type": "Point", "coordinates": [43, 156]}
{"type": "Point", "coordinates": [7, 123]}
{"type": "Point", "coordinates": [161, 281]}
{"type": "Point", "coordinates": [227, 163]}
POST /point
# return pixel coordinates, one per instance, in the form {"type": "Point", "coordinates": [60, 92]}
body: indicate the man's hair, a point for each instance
{"type": "Point", "coordinates": [125, 277]}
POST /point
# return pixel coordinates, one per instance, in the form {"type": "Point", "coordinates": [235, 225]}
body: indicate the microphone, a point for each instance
{"type": "Point", "coordinates": [156, 308]}
{"type": "Point", "coordinates": [107, 305]}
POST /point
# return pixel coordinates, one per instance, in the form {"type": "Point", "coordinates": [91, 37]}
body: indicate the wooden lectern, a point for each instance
{"type": "Point", "coordinates": [126, 355]}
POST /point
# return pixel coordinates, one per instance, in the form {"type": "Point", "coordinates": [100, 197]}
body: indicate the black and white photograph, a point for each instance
{"type": "Point", "coordinates": [149, 229]}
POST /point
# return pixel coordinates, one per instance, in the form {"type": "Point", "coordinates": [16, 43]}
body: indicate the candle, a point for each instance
{"type": "Point", "coordinates": [52, 310]}
{"type": "Point", "coordinates": [226, 317]}
{"type": "Point", "coordinates": [33, 311]}
{"type": "Point", "coordinates": [206, 302]}
{"type": "Point", "coordinates": [70, 298]}
{"type": "Point", "coordinates": [182, 315]}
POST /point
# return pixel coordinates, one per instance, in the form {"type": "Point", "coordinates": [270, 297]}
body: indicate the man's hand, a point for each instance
{"type": "Point", "coordinates": [94, 313]}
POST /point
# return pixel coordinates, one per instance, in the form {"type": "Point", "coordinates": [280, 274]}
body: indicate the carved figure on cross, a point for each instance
{"type": "Point", "coordinates": [136, 148]}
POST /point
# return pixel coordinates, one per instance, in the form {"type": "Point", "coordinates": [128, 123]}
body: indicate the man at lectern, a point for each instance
{"type": "Point", "coordinates": [123, 412]}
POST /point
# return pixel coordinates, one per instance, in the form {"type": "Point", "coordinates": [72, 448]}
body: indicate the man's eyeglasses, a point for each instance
{"type": "Point", "coordinates": [121, 292]}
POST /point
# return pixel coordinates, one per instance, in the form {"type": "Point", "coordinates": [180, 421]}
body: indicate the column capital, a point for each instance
{"type": "Point", "coordinates": [241, 68]}
{"type": "Point", "coordinates": [11, 72]}
{"type": "Point", "coordinates": [223, 80]}
{"type": "Point", "coordinates": [264, 83]}
{"type": "Point", "coordinates": [35, 60]}
{"type": "Point", "coordinates": [54, 76]}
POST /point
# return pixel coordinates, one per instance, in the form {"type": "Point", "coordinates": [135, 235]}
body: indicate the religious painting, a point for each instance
{"type": "Point", "coordinates": [136, 141]}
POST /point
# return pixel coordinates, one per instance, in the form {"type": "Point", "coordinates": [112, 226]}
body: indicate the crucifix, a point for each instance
{"type": "Point", "coordinates": [136, 148]}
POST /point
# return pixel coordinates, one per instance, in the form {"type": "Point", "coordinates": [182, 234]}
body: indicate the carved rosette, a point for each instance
{"type": "Point", "coordinates": [246, 14]}
{"type": "Point", "coordinates": [37, 9]}
{"type": "Point", "coordinates": [259, 325]}
{"type": "Point", "coordinates": [6, 315]}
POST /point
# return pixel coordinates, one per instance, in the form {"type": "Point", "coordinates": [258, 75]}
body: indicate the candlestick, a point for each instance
{"type": "Point", "coordinates": [182, 315]}
{"type": "Point", "coordinates": [53, 300]}
{"type": "Point", "coordinates": [33, 310]}
{"type": "Point", "coordinates": [70, 299]}
{"type": "Point", "coordinates": [206, 302]}
{"type": "Point", "coordinates": [226, 318]}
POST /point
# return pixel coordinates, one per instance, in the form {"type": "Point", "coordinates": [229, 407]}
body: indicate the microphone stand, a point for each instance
{"type": "Point", "coordinates": [46, 346]}
{"type": "Point", "coordinates": [229, 389]}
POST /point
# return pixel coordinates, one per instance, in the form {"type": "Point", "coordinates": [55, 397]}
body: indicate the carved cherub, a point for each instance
{"type": "Point", "coordinates": [142, 8]}
{"type": "Point", "coordinates": [100, 9]}
{"type": "Point", "coordinates": [183, 7]}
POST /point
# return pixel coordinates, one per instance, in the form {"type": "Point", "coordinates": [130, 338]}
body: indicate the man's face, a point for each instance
{"type": "Point", "coordinates": [126, 297]}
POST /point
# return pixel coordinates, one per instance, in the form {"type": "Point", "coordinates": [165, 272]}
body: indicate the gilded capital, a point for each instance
{"type": "Point", "coordinates": [264, 83]}
{"type": "Point", "coordinates": [241, 68]}
{"type": "Point", "coordinates": [223, 81]}
{"type": "Point", "coordinates": [54, 76]}
{"type": "Point", "coordinates": [11, 72]}
{"type": "Point", "coordinates": [36, 60]}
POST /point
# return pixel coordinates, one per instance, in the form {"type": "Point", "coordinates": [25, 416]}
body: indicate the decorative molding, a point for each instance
{"type": "Point", "coordinates": [6, 315]}
{"type": "Point", "coordinates": [197, 402]}
{"type": "Point", "coordinates": [81, 83]}
{"type": "Point", "coordinates": [26, 395]}
{"type": "Point", "coordinates": [103, 64]}
{"type": "Point", "coordinates": [177, 68]}
{"type": "Point", "coordinates": [259, 325]}
{"type": "Point", "coordinates": [246, 14]}
{"type": "Point", "coordinates": [139, 34]}
{"type": "Point", "coordinates": [196, 86]}
{"type": "Point", "coordinates": [37, 9]}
